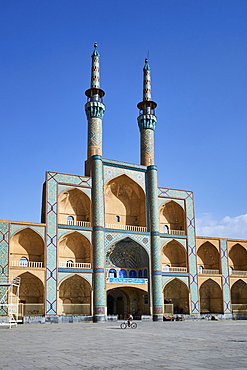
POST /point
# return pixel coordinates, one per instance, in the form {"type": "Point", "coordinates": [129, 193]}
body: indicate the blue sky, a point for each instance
{"type": "Point", "coordinates": [198, 55]}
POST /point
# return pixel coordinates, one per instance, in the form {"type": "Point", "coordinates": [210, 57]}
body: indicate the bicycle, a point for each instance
{"type": "Point", "coordinates": [132, 325]}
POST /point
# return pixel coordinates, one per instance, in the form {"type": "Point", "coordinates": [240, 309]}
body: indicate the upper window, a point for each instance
{"type": "Point", "coordinates": [23, 262]}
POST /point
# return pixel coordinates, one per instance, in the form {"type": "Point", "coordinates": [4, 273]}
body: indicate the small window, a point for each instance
{"type": "Point", "coordinates": [70, 220]}
{"type": "Point", "coordinates": [140, 273]}
{"type": "Point", "coordinates": [145, 299]}
{"type": "Point", "coordinates": [23, 262]}
{"type": "Point", "coordinates": [117, 218]}
{"type": "Point", "coordinates": [166, 229]}
{"type": "Point", "coordinates": [145, 273]}
{"type": "Point", "coordinates": [69, 264]}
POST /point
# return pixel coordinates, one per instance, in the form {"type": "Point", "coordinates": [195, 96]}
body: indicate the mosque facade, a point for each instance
{"type": "Point", "coordinates": [114, 242]}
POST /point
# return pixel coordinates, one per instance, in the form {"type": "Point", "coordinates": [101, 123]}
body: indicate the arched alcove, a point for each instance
{"type": "Point", "coordinates": [208, 257]}
{"type": "Point", "coordinates": [238, 258]}
{"type": "Point", "coordinates": [27, 245]}
{"type": "Point", "coordinates": [211, 298]}
{"type": "Point", "coordinates": [31, 289]}
{"type": "Point", "coordinates": [73, 206]}
{"type": "Point", "coordinates": [127, 254]}
{"type": "Point", "coordinates": [172, 218]}
{"type": "Point", "coordinates": [173, 254]}
{"type": "Point", "coordinates": [176, 293]}
{"type": "Point", "coordinates": [124, 202]}
{"type": "Point", "coordinates": [239, 292]}
{"type": "Point", "coordinates": [75, 296]}
{"type": "Point", "coordinates": [74, 247]}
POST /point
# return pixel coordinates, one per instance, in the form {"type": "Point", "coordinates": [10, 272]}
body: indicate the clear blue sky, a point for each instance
{"type": "Point", "coordinates": [198, 56]}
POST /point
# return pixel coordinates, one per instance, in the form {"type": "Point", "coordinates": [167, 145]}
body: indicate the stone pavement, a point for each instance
{"type": "Point", "coordinates": [153, 345]}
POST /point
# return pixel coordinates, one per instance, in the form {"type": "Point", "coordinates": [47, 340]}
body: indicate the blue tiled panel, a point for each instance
{"type": "Point", "coordinates": [4, 257]}
{"type": "Point", "coordinates": [192, 262]}
{"type": "Point", "coordinates": [225, 277]}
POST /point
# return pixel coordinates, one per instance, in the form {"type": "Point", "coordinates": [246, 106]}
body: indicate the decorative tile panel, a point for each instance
{"type": "Point", "coordinates": [225, 277]}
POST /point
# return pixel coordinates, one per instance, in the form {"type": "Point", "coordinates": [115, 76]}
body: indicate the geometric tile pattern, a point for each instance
{"type": "Point", "coordinates": [52, 180]}
{"type": "Point", "coordinates": [4, 256]}
{"type": "Point", "coordinates": [14, 228]}
{"type": "Point", "coordinates": [65, 275]}
{"type": "Point", "coordinates": [111, 171]}
{"type": "Point", "coordinates": [155, 240]}
{"type": "Point", "coordinates": [114, 237]}
{"type": "Point", "coordinates": [98, 236]}
{"type": "Point", "coordinates": [192, 265]}
{"type": "Point", "coordinates": [225, 277]}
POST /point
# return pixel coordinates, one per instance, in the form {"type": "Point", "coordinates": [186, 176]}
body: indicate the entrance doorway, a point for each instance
{"type": "Point", "coordinates": [126, 300]}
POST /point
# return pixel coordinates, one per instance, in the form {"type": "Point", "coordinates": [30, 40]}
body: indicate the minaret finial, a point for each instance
{"type": "Point", "coordinates": [95, 93]}
{"type": "Point", "coordinates": [147, 119]}
{"type": "Point", "coordinates": [95, 108]}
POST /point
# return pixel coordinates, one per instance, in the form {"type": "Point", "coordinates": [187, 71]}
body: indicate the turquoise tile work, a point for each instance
{"type": "Point", "coordinates": [14, 228]}
{"type": "Point", "coordinates": [187, 196]}
{"type": "Point", "coordinates": [225, 277]}
{"type": "Point", "coordinates": [4, 257]}
{"type": "Point", "coordinates": [52, 182]}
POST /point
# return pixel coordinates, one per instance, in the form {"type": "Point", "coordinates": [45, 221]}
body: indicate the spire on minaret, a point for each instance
{"type": "Point", "coordinates": [95, 93]}
{"type": "Point", "coordinates": [95, 108]}
{"type": "Point", "coordinates": [147, 119]}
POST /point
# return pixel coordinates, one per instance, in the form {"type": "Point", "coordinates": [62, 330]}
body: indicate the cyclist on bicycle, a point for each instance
{"type": "Point", "coordinates": [129, 319]}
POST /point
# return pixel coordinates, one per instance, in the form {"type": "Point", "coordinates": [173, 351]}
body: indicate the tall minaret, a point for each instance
{"type": "Point", "coordinates": [95, 108]}
{"type": "Point", "coordinates": [147, 122]}
{"type": "Point", "coordinates": [147, 119]}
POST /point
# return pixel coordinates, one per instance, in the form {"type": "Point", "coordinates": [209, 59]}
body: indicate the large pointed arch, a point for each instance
{"type": "Point", "coordinates": [172, 218]}
{"type": "Point", "coordinates": [28, 244]}
{"type": "Point", "coordinates": [208, 257]}
{"type": "Point", "coordinates": [239, 292]}
{"type": "Point", "coordinates": [74, 206]}
{"type": "Point", "coordinates": [125, 202]}
{"type": "Point", "coordinates": [173, 255]}
{"type": "Point", "coordinates": [74, 296]}
{"type": "Point", "coordinates": [176, 293]}
{"type": "Point", "coordinates": [74, 247]}
{"type": "Point", "coordinates": [238, 258]}
{"type": "Point", "coordinates": [211, 297]}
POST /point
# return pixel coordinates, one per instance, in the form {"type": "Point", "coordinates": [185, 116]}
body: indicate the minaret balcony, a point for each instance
{"type": "Point", "coordinates": [134, 228]}
{"type": "Point", "coordinates": [26, 264]}
{"type": "Point", "coordinates": [75, 223]}
{"type": "Point", "coordinates": [74, 265]}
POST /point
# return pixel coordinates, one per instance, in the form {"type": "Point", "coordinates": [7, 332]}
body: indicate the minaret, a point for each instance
{"type": "Point", "coordinates": [147, 122]}
{"type": "Point", "coordinates": [95, 110]}
{"type": "Point", "coordinates": [147, 119]}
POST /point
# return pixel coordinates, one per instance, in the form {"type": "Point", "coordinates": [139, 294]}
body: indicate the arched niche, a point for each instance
{"type": "Point", "coordinates": [211, 298]}
{"type": "Point", "coordinates": [176, 292]}
{"type": "Point", "coordinates": [74, 247]}
{"type": "Point", "coordinates": [238, 258]}
{"type": "Point", "coordinates": [31, 289]}
{"type": "Point", "coordinates": [208, 257]}
{"type": "Point", "coordinates": [73, 206]}
{"type": "Point", "coordinates": [171, 218]}
{"type": "Point", "coordinates": [239, 292]}
{"type": "Point", "coordinates": [28, 244]}
{"type": "Point", "coordinates": [74, 296]}
{"type": "Point", "coordinates": [124, 202]}
{"type": "Point", "coordinates": [127, 254]}
{"type": "Point", "coordinates": [173, 254]}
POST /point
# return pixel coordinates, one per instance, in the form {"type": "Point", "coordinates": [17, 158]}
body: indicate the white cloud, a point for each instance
{"type": "Point", "coordinates": [228, 227]}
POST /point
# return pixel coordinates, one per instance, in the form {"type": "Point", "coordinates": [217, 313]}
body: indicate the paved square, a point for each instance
{"type": "Point", "coordinates": [153, 345]}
